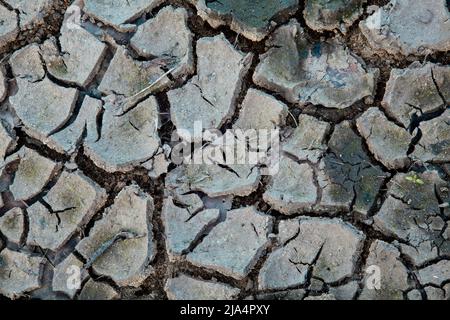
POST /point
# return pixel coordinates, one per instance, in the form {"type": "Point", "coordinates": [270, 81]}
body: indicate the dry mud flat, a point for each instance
{"type": "Point", "coordinates": [92, 207]}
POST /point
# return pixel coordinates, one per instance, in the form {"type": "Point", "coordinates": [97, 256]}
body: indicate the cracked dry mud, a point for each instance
{"type": "Point", "coordinates": [91, 92]}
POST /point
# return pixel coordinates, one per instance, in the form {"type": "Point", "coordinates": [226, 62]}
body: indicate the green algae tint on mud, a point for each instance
{"type": "Point", "coordinates": [255, 14]}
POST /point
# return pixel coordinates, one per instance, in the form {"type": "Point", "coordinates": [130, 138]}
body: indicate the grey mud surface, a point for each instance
{"type": "Point", "coordinates": [360, 91]}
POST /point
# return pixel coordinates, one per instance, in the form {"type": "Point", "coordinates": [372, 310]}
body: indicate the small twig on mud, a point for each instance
{"type": "Point", "coordinates": [46, 257]}
{"type": "Point", "coordinates": [236, 41]}
{"type": "Point", "coordinates": [124, 235]}
{"type": "Point", "coordinates": [4, 58]}
{"type": "Point", "coordinates": [153, 83]}
{"type": "Point", "coordinates": [293, 118]}
{"type": "Point", "coordinates": [130, 101]}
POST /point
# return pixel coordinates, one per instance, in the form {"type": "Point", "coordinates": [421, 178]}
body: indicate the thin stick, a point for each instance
{"type": "Point", "coordinates": [153, 83]}
{"type": "Point", "coordinates": [293, 118]}
{"type": "Point", "coordinates": [130, 100]}
{"type": "Point", "coordinates": [124, 235]}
